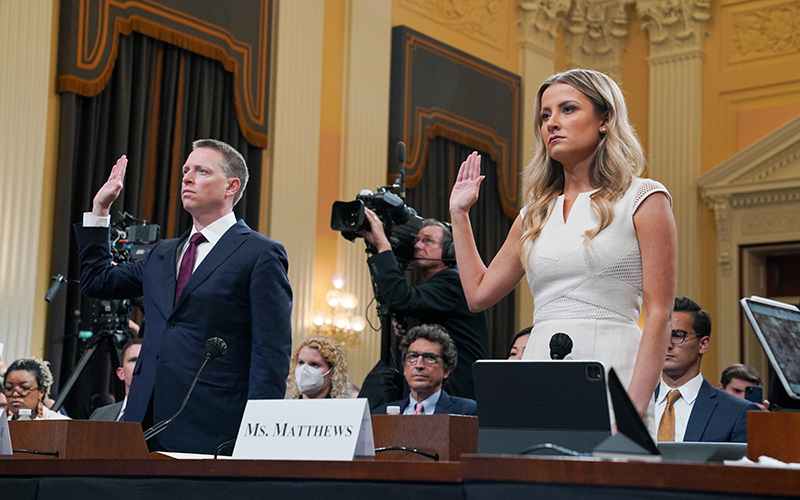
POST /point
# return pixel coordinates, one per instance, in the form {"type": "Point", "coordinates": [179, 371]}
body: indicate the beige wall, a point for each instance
{"type": "Point", "coordinates": [751, 86]}
{"type": "Point", "coordinates": [28, 117]}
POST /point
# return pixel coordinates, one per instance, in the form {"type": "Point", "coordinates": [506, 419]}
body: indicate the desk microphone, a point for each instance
{"type": "Point", "coordinates": [215, 347]}
{"type": "Point", "coordinates": [560, 345]}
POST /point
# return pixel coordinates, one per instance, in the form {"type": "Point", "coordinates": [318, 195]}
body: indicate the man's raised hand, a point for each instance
{"type": "Point", "coordinates": [110, 190]}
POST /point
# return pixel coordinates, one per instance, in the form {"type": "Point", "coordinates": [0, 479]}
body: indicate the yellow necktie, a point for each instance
{"type": "Point", "coordinates": [666, 428]}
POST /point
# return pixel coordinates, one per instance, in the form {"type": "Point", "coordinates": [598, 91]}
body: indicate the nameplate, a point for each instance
{"type": "Point", "coordinates": [305, 429]}
{"type": "Point", "coordinates": [5, 436]}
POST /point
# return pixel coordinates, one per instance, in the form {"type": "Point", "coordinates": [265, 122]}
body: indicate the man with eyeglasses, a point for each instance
{"type": "Point", "coordinates": [429, 356]}
{"type": "Point", "coordinates": [688, 408]}
{"type": "Point", "coordinates": [439, 300]}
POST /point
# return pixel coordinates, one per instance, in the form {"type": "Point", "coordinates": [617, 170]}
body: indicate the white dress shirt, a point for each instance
{"type": "Point", "coordinates": [428, 405]}
{"type": "Point", "coordinates": [213, 232]}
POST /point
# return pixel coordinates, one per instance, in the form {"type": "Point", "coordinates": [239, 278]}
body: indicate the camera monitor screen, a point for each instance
{"type": "Point", "coordinates": [777, 326]}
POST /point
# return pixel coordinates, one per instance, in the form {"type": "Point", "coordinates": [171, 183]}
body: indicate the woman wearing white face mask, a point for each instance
{"type": "Point", "coordinates": [318, 370]}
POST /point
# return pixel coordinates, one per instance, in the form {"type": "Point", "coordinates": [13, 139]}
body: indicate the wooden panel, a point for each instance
{"type": "Point", "coordinates": [78, 439]}
{"type": "Point", "coordinates": [774, 434]}
{"type": "Point", "coordinates": [446, 435]}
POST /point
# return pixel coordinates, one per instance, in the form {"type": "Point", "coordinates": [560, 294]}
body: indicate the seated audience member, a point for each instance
{"type": "Point", "coordinates": [429, 356]}
{"type": "Point", "coordinates": [519, 342]}
{"type": "Point", "coordinates": [688, 408]}
{"type": "Point", "coordinates": [318, 369]}
{"type": "Point", "coordinates": [736, 378]}
{"type": "Point", "coordinates": [114, 411]}
{"type": "Point", "coordinates": [26, 384]}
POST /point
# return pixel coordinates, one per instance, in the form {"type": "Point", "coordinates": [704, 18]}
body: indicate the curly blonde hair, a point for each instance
{"type": "Point", "coordinates": [333, 354]}
{"type": "Point", "coordinates": [617, 160]}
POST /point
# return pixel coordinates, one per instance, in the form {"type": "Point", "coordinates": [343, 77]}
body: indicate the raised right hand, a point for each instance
{"type": "Point", "coordinates": [465, 190]}
{"type": "Point", "coordinates": [110, 190]}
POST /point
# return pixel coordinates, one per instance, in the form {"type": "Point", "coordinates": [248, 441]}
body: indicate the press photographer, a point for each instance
{"type": "Point", "coordinates": [439, 300]}
{"type": "Point", "coordinates": [398, 238]}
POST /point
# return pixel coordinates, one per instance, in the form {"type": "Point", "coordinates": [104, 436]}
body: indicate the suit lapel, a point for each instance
{"type": "Point", "coordinates": [701, 412]}
{"type": "Point", "coordinates": [225, 247]}
{"type": "Point", "coordinates": [443, 405]}
{"type": "Point", "coordinates": [169, 256]}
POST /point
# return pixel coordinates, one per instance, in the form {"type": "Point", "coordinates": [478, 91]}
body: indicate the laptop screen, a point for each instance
{"type": "Point", "coordinates": [777, 326]}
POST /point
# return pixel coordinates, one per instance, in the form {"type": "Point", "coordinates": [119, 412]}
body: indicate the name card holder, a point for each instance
{"type": "Point", "coordinates": [305, 429]}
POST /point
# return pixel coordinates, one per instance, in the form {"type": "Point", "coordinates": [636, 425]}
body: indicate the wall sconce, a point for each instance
{"type": "Point", "coordinates": [341, 323]}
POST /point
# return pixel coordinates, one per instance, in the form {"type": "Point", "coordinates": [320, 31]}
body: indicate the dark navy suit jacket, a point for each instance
{"type": "Point", "coordinates": [717, 416]}
{"type": "Point", "coordinates": [447, 405]}
{"type": "Point", "coordinates": [239, 292]}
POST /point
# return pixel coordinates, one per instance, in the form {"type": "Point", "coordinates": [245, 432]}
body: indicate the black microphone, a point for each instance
{"type": "Point", "coordinates": [560, 345]}
{"type": "Point", "coordinates": [53, 290]}
{"type": "Point", "coordinates": [215, 347]}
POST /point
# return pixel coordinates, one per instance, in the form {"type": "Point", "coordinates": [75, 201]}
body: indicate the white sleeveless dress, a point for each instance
{"type": "Point", "coordinates": [591, 292]}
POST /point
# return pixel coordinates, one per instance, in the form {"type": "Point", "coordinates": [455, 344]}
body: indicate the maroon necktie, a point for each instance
{"type": "Point", "coordinates": [187, 264]}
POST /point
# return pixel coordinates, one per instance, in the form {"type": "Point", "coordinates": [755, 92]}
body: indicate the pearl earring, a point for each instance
{"type": "Point", "coordinates": [603, 130]}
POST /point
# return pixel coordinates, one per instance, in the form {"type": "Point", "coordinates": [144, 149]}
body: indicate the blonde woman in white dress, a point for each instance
{"type": "Point", "coordinates": [595, 240]}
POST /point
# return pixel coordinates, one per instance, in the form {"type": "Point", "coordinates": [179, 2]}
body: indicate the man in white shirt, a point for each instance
{"type": "Point", "coordinates": [688, 408]}
{"type": "Point", "coordinates": [114, 412]}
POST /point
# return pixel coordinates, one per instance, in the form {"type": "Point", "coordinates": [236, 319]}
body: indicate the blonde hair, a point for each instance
{"type": "Point", "coordinates": [617, 160]}
{"type": "Point", "coordinates": [333, 354]}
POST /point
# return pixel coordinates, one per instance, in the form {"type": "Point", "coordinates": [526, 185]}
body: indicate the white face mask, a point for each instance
{"type": "Point", "coordinates": [309, 380]}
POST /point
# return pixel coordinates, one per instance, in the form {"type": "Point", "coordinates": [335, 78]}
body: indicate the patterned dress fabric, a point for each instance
{"type": "Point", "coordinates": [590, 291]}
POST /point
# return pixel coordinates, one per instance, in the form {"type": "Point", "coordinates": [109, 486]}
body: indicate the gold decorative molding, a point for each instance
{"type": "Point", "coordinates": [769, 167]}
{"type": "Point", "coordinates": [674, 26]}
{"type": "Point", "coordinates": [776, 222]}
{"type": "Point", "coordinates": [539, 22]}
{"type": "Point", "coordinates": [596, 34]}
{"type": "Point", "coordinates": [722, 216]}
{"type": "Point", "coordinates": [482, 20]}
{"type": "Point", "coordinates": [765, 31]}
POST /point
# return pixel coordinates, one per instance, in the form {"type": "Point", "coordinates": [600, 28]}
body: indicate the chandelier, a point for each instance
{"type": "Point", "coordinates": [341, 323]}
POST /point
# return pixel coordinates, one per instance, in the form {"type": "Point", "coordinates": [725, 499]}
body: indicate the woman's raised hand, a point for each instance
{"type": "Point", "coordinates": [468, 183]}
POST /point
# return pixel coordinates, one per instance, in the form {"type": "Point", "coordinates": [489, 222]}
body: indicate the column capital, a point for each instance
{"type": "Point", "coordinates": [675, 27]}
{"type": "Point", "coordinates": [538, 23]}
{"type": "Point", "coordinates": [596, 32]}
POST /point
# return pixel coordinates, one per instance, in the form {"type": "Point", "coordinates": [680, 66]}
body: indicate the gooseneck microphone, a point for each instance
{"type": "Point", "coordinates": [215, 347]}
{"type": "Point", "coordinates": [560, 345]}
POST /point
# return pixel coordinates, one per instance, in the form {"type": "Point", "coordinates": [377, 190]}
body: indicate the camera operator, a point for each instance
{"type": "Point", "coordinates": [440, 300]}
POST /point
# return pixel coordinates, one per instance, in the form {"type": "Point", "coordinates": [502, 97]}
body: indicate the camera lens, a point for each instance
{"type": "Point", "coordinates": [350, 219]}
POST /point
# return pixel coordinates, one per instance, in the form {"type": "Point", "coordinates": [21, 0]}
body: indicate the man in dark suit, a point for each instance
{"type": "Point", "coordinates": [429, 356]}
{"type": "Point", "coordinates": [220, 278]}
{"type": "Point", "coordinates": [439, 300]}
{"type": "Point", "coordinates": [114, 412]}
{"type": "Point", "coordinates": [688, 408]}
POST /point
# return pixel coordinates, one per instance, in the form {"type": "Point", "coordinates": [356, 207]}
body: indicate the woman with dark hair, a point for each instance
{"type": "Point", "coordinates": [519, 343]}
{"type": "Point", "coordinates": [318, 369]}
{"type": "Point", "coordinates": [595, 240]}
{"type": "Point", "coordinates": [26, 384]}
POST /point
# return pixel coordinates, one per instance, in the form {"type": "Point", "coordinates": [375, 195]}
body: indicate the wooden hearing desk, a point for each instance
{"type": "Point", "coordinates": [474, 477]}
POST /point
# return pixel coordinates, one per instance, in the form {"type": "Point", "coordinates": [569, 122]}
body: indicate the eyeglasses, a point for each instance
{"type": "Point", "coordinates": [21, 390]}
{"type": "Point", "coordinates": [426, 241]}
{"type": "Point", "coordinates": [679, 336]}
{"type": "Point", "coordinates": [428, 358]}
